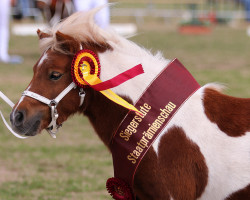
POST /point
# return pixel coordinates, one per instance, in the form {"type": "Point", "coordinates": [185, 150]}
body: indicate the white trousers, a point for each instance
{"type": "Point", "coordinates": [102, 17]}
{"type": "Point", "coordinates": [4, 29]}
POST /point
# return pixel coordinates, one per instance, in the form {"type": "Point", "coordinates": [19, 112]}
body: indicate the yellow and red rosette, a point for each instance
{"type": "Point", "coordinates": [85, 64]}
{"type": "Point", "coordinates": [85, 71]}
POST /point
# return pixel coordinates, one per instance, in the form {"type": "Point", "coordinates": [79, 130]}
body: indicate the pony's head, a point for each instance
{"type": "Point", "coordinates": [52, 74]}
{"type": "Point", "coordinates": [36, 111]}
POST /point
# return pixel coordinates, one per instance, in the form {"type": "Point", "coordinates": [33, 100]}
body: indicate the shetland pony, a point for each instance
{"type": "Point", "coordinates": [204, 151]}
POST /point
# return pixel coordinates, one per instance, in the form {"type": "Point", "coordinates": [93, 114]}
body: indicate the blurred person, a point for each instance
{"type": "Point", "coordinates": [246, 4]}
{"type": "Point", "coordinates": [25, 7]}
{"type": "Point", "coordinates": [5, 6]}
{"type": "Point", "coordinates": [102, 17]}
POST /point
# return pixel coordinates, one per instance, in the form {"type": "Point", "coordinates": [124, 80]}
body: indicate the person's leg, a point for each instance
{"type": "Point", "coordinates": [4, 34]}
{"type": "Point", "coordinates": [4, 29]}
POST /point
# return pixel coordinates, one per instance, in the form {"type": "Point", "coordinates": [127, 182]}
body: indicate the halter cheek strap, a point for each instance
{"type": "Point", "coordinates": [53, 126]}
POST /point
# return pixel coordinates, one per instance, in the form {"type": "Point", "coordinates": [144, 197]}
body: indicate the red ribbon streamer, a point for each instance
{"type": "Point", "coordinates": [119, 79]}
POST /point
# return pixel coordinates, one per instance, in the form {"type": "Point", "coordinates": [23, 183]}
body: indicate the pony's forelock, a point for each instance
{"type": "Point", "coordinates": [80, 26]}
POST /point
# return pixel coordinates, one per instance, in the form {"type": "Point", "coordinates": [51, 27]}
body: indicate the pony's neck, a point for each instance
{"type": "Point", "coordinates": [104, 115]}
{"type": "Point", "coordinates": [125, 55]}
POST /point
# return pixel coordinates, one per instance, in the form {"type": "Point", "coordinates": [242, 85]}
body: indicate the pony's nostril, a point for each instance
{"type": "Point", "coordinates": [18, 119]}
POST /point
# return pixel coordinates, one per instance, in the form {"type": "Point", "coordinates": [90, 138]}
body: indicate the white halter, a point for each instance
{"type": "Point", "coordinates": [53, 126]}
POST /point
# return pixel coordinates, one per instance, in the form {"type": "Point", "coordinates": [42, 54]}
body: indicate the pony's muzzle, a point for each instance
{"type": "Point", "coordinates": [24, 126]}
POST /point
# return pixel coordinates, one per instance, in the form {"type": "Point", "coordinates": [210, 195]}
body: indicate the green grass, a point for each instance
{"type": "Point", "coordinates": [76, 165]}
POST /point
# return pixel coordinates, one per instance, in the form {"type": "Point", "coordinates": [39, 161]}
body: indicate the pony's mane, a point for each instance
{"type": "Point", "coordinates": [80, 26]}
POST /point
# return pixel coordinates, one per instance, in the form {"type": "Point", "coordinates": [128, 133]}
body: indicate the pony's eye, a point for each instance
{"type": "Point", "coordinates": [55, 76]}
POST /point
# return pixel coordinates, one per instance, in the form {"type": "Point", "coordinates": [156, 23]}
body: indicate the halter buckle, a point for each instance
{"type": "Point", "coordinates": [52, 103]}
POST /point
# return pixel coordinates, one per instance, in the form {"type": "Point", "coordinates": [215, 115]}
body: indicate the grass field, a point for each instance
{"type": "Point", "coordinates": [76, 165]}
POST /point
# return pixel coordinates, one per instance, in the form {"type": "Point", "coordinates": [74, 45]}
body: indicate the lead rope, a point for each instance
{"type": "Point", "coordinates": [11, 104]}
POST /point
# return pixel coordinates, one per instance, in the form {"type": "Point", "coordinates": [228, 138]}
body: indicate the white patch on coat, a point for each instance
{"type": "Point", "coordinates": [43, 58]}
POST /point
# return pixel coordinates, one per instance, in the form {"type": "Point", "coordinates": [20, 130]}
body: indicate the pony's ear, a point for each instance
{"type": "Point", "coordinates": [42, 35]}
{"type": "Point", "coordinates": [67, 43]}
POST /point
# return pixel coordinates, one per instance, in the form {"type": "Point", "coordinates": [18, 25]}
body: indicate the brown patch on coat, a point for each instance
{"type": "Point", "coordinates": [67, 43]}
{"type": "Point", "coordinates": [243, 194]}
{"type": "Point", "coordinates": [97, 47]}
{"type": "Point", "coordinates": [231, 114]}
{"type": "Point", "coordinates": [182, 165]}
{"type": "Point", "coordinates": [149, 182]}
{"type": "Point", "coordinates": [104, 114]}
{"type": "Point", "coordinates": [179, 171]}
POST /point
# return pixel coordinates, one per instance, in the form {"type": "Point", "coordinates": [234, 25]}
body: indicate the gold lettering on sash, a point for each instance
{"type": "Point", "coordinates": [131, 128]}
{"type": "Point", "coordinates": [148, 134]}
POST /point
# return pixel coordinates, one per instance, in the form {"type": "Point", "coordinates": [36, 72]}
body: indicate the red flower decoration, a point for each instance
{"type": "Point", "coordinates": [119, 189]}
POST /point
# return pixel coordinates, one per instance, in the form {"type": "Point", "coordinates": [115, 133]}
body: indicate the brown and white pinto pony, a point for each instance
{"type": "Point", "coordinates": [203, 153]}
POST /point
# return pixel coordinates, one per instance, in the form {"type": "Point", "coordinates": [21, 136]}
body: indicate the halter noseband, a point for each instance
{"type": "Point", "coordinates": [53, 126]}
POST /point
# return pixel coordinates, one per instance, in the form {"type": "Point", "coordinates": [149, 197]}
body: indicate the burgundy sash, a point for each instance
{"type": "Point", "coordinates": [158, 104]}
